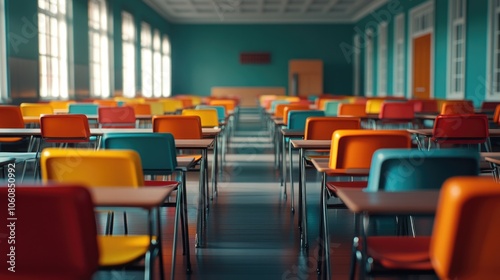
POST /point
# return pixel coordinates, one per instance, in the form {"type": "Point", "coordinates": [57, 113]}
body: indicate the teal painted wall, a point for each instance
{"type": "Point", "coordinates": [205, 56]}
{"type": "Point", "coordinates": [476, 44]}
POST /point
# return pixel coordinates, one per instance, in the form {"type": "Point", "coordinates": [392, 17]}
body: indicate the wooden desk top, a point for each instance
{"type": "Point", "coordinates": [143, 197]}
{"type": "Point", "coordinates": [321, 165]}
{"type": "Point", "coordinates": [311, 144]}
{"type": "Point", "coordinates": [193, 143]}
{"type": "Point", "coordinates": [286, 132]}
{"type": "Point", "coordinates": [411, 202]}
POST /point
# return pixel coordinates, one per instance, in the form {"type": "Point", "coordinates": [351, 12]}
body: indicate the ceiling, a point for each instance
{"type": "Point", "coordinates": [264, 11]}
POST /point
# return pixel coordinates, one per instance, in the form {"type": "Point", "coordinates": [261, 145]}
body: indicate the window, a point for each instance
{"type": "Point", "coordinates": [53, 48]}
{"type": "Point", "coordinates": [99, 38]}
{"type": "Point", "coordinates": [456, 59]}
{"type": "Point", "coordinates": [146, 60]}
{"type": "Point", "coordinates": [3, 55]}
{"type": "Point", "coordinates": [157, 64]}
{"type": "Point", "coordinates": [369, 63]}
{"type": "Point", "coordinates": [399, 55]}
{"type": "Point", "coordinates": [382, 59]}
{"type": "Point", "coordinates": [494, 72]}
{"type": "Point", "coordinates": [167, 66]}
{"type": "Point", "coordinates": [128, 38]}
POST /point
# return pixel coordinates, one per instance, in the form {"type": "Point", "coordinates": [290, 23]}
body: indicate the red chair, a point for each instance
{"type": "Point", "coordinates": [116, 117]}
{"type": "Point", "coordinates": [425, 105]}
{"type": "Point", "coordinates": [457, 107]}
{"type": "Point", "coordinates": [460, 130]}
{"type": "Point", "coordinates": [55, 233]}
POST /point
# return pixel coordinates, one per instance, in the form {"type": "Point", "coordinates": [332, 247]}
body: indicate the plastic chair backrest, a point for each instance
{"type": "Point", "coordinates": [373, 106]}
{"type": "Point", "coordinates": [425, 105]}
{"type": "Point", "coordinates": [60, 104]}
{"type": "Point", "coordinates": [106, 102]}
{"type": "Point", "coordinates": [65, 128]}
{"type": "Point", "coordinates": [297, 118]}
{"type": "Point", "coordinates": [275, 103]}
{"type": "Point", "coordinates": [56, 233]}
{"type": "Point", "coordinates": [11, 117]}
{"type": "Point", "coordinates": [209, 117]}
{"type": "Point", "coordinates": [352, 110]}
{"type": "Point", "coordinates": [412, 169]}
{"type": "Point", "coordinates": [332, 107]}
{"type": "Point", "coordinates": [171, 105]}
{"type": "Point", "coordinates": [489, 105]}
{"type": "Point", "coordinates": [83, 108]}
{"type": "Point", "coordinates": [140, 108]}
{"type": "Point", "coordinates": [355, 148]}
{"type": "Point", "coordinates": [464, 243]}
{"type": "Point", "coordinates": [181, 127]}
{"type": "Point", "coordinates": [156, 108]}
{"type": "Point", "coordinates": [280, 110]}
{"type": "Point", "coordinates": [461, 129]}
{"type": "Point", "coordinates": [116, 117]}
{"type": "Point", "coordinates": [103, 168]}
{"type": "Point", "coordinates": [221, 110]}
{"type": "Point", "coordinates": [322, 128]}
{"type": "Point", "coordinates": [496, 115]}
{"type": "Point", "coordinates": [293, 107]}
{"type": "Point", "coordinates": [457, 107]}
{"type": "Point", "coordinates": [230, 104]}
{"type": "Point", "coordinates": [397, 110]}
{"type": "Point", "coordinates": [36, 109]}
{"type": "Point", "coordinates": [157, 150]}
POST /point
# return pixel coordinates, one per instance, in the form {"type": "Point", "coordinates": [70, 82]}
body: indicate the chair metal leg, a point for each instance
{"type": "Point", "coordinates": [125, 224]}
{"type": "Point", "coordinates": [185, 222]}
{"type": "Point", "coordinates": [176, 222]}
{"type": "Point", "coordinates": [160, 253]}
{"type": "Point", "coordinates": [292, 190]}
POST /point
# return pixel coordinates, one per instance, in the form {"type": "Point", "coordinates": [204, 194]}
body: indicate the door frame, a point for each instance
{"type": "Point", "coordinates": [427, 7]}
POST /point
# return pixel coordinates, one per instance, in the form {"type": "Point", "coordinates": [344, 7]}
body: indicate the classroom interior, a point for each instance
{"type": "Point", "coordinates": [413, 84]}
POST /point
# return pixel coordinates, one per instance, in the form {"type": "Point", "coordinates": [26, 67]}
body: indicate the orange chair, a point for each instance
{"type": "Point", "coordinates": [280, 110]}
{"type": "Point", "coordinates": [116, 117]}
{"type": "Point", "coordinates": [465, 241]}
{"type": "Point", "coordinates": [58, 231]}
{"type": "Point", "coordinates": [106, 102]}
{"type": "Point", "coordinates": [10, 117]}
{"type": "Point", "coordinates": [65, 128]}
{"type": "Point", "coordinates": [140, 108]}
{"type": "Point", "coordinates": [322, 128]}
{"type": "Point", "coordinates": [351, 155]}
{"type": "Point", "coordinates": [352, 110]}
{"type": "Point", "coordinates": [182, 127]}
{"type": "Point", "coordinates": [424, 105]}
{"type": "Point", "coordinates": [457, 107]}
{"type": "Point", "coordinates": [230, 104]}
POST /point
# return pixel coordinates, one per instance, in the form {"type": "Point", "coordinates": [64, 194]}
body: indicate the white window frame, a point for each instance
{"type": "Point", "coordinates": [146, 60]}
{"type": "Point", "coordinates": [493, 54]}
{"type": "Point", "coordinates": [54, 53]}
{"type": "Point", "coordinates": [166, 67]}
{"type": "Point", "coordinates": [382, 59]}
{"type": "Point", "coordinates": [456, 40]}
{"type": "Point", "coordinates": [427, 9]}
{"type": "Point", "coordinates": [128, 54]}
{"type": "Point", "coordinates": [157, 64]}
{"type": "Point", "coordinates": [399, 56]}
{"type": "Point", "coordinates": [4, 95]}
{"type": "Point", "coordinates": [357, 61]}
{"type": "Point", "coordinates": [99, 49]}
{"type": "Point", "coordinates": [369, 63]}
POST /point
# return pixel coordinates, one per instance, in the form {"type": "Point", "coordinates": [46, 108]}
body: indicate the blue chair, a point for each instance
{"type": "Point", "coordinates": [332, 107]}
{"type": "Point", "coordinates": [83, 108]}
{"type": "Point", "coordinates": [411, 169]}
{"type": "Point", "coordinates": [297, 121]}
{"type": "Point", "coordinates": [158, 157]}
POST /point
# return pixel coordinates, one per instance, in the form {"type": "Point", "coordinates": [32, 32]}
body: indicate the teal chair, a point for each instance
{"type": "Point", "coordinates": [83, 108]}
{"type": "Point", "coordinates": [409, 170]}
{"type": "Point", "coordinates": [276, 102]}
{"type": "Point", "coordinates": [332, 107]}
{"type": "Point", "coordinates": [158, 157]}
{"type": "Point", "coordinates": [297, 121]}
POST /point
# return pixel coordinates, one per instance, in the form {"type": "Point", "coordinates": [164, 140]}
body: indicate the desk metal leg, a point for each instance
{"type": "Point", "coordinates": [283, 162]}
{"type": "Point", "coordinates": [292, 191]}
{"type": "Point", "coordinates": [215, 167]}
{"type": "Point", "coordinates": [303, 194]}
{"type": "Point", "coordinates": [200, 232]}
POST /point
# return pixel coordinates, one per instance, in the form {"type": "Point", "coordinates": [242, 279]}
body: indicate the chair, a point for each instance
{"type": "Point", "coordinates": [140, 108]}
{"type": "Point", "coordinates": [106, 102]}
{"type": "Point", "coordinates": [61, 105]}
{"type": "Point", "coordinates": [424, 105]}
{"type": "Point", "coordinates": [177, 126]}
{"type": "Point", "coordinates": [56, 230]}
{"type": "Point", "coordinates": [221, 111]}
{"type": "Point", "coordinates": [489, 106]}
{"type": "Point", "coordinates": [116, 117]}
{"type": "Point", "coordinates": [351, 155]}
{"type": "Point", "coordinates": [352, 110]}
{"type": "Point", "coordinates": [322, 128]}
{"type": "Point", "coordinates": [209, 117]}
{"type": "Point", "coordinates": [83, 108]}
{"type": "Point", "coordinates": [92, 168]}
{"type": "Point", "coordinates": [396, 113]}
{"type": "Point", "coordinates": [34, 110]}
{"type": "Point", "coordinates": [332, 107]}
{"type": "Point", "coordinates": [158, 157]}
{"type": "Point", "coordinates": [464, 243]}
{"type": "Point", "coordinates": [171, 106]}
{"type": "Point", "coordinates": [156, 108]}
{"type": "Point", "coordinates": [374, 106]}
{"type": "Point", "coordinates": [468, 129]}
{"type": "Point", "coordinates": [10, 117]}
{"type": "Point", "coordinates": [457, 107]}
{"type": "Point", "coordinates": [229, 104]}
{"type": "Point", "coordinates": [293, 107]}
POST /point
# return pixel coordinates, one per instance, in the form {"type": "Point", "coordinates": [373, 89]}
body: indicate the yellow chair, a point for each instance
{"type": "Point", "coordinates": [209, 117]}
{"type": "Point", "coordinates": [61, 105]}
{"type": "Point", "coordinates": [156, 108]}
{"type": "Point", "coordinates": [92, 168]}
{"type": "Point", "coordinates": [32, 111]}
{"type": "Point", "coordinates": [171, 106]}
{"type": "Point", "coordinates": [374, 106]}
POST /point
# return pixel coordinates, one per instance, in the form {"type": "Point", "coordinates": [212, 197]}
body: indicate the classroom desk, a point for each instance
{"type": "Point", "coordinates": [366, 204]}
{"type": "Point", "coordinates": [148, 198]}
{"type": "Point", "coordinates": [427, 133]}
{"type": "Point", "coordinates": [304, 145]}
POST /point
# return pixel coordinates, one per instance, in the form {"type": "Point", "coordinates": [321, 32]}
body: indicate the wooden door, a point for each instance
{"type": "Point", "coordinates": [422, 67]}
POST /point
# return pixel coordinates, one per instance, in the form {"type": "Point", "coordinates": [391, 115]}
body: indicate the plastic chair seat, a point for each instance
{"type": "Point", "coordinates": [400, 253]}
{"type": "Point", "coordinates": [118, 250]}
